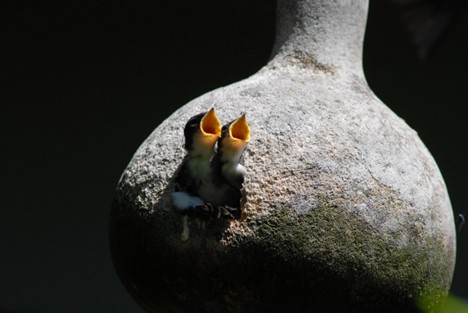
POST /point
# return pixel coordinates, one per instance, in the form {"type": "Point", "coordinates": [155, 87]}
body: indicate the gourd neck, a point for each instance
{"type": "Point", "coordinates": [326, 35]}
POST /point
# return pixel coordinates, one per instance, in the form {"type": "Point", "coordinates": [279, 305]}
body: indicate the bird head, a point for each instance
{"type": "Point", "coordinates": [234, 138]}
{"type": "Point", "coordinates": [202, 131]}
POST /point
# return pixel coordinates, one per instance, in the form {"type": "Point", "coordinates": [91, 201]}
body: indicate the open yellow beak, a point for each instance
{"type": "Point", "coordinates": [210, 124]}
{"type": "Point", "coordinates": [240, 130]}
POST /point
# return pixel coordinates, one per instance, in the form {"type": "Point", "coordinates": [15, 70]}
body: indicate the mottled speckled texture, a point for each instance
{"type": "Point", "coordinates": [344, 208]}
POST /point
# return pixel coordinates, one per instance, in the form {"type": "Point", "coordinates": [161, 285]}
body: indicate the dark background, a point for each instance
{"type": "Point", "coordinates": [83, 84]}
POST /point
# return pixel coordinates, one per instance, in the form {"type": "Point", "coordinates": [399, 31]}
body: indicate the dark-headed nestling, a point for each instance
{"type": "Point", "coordinates": [234, 138]}
{"type": "Point", "coordinates": [201, 134]}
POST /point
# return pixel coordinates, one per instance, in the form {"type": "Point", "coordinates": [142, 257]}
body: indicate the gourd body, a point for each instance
{"type": "Point", "coordinates": [344, 209]}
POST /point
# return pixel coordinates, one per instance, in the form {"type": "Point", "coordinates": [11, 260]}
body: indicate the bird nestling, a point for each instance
{"type": "Point", "coordinates": [234, 139]}
{"type": "Point", "coordinates": [216, 180]}
{"type": "Point", "coordinates": [201, 134]}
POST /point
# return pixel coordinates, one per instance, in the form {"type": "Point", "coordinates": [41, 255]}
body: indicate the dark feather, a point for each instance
{"type": "Point", "coordinates": [191, 128]}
